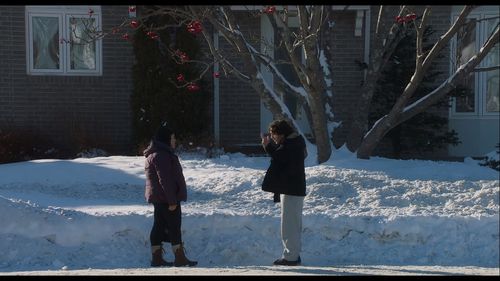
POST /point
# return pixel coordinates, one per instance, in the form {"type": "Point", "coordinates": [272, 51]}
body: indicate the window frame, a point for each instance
{"type": "Point", "coordinates": [483, 75]}
{"type": "Point", "coordinates": [480, 88]}
{"type": "Point", "coordinates": [63, 13]}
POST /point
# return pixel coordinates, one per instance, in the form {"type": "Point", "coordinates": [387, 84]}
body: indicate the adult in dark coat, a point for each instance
{"type": "Point", "coordinates": [286, 178]}
{"type": "Point", "coordinates": [165, 189]}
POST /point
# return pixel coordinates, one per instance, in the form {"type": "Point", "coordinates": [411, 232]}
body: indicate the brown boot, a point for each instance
{"type": "Point", "coordinates": [157, 260]}
{"type": "Point", "coordinates": [180, 256]}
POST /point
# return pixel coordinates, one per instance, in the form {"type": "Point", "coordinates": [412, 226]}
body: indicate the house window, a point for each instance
{"type": "Point", "coordinates": [478, 93]}
{"type": "Point", "coordinates": [492, 103]}
{"type": "Point", "coordinates": [60, 40]}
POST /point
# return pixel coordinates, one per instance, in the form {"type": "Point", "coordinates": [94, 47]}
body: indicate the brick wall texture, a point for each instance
{"type": "Point", "coordinates": [68, 108]}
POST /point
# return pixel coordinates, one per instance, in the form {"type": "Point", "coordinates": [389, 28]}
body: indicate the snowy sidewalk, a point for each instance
{"type": "Point", "coordinates": [278, 270]}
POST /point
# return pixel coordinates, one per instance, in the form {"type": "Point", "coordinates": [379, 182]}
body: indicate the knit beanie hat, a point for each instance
{"type": "Point", "coordinates": [163, 133]}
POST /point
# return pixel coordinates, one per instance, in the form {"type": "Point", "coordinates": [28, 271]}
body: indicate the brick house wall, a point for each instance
{"type": "Point", "coordinates": [342, 49]}
{"type": "Point", "coordinates": [70, 110]}
{"type": "Point", "coordinates": [239, 103]}
{"type": "Point", "coordinates": [95, 109]}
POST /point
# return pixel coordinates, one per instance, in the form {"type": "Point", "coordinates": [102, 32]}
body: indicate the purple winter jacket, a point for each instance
{"type": "Point", "coordinates": [165, 181]}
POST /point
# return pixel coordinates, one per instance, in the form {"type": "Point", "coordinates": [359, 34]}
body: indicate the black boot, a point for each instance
{"type": "Point", "coordinates": [287, 262]}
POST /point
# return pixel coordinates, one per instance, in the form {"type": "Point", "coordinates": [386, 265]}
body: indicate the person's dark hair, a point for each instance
{"type": "Point", "coordinates": [281, 127]}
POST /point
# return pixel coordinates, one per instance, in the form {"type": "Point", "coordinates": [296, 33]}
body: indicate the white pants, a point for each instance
{"type": "Point", "coordinates": [291, 225]}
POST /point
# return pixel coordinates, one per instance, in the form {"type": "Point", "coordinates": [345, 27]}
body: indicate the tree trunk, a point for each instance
{"type": "Point", "coordinates": [360, 116]}
{"type": "Point", "coordinates": [373, 137]}
{"type": "Point", "coordinates": [320, 129]}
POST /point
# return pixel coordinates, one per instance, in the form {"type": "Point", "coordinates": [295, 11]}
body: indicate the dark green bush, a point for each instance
{"type": "Point", "coordinates": [18, 145]}
{"type": "Point", "coordinates": [425, 132]}
{"type": "Point", "coordinates": [157, 95]}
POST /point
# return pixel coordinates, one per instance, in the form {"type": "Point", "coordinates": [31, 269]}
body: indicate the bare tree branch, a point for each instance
{"type": "Point", "coordinates": [486, 69]}
{"type": "Point", "coordinates": [431, 98]}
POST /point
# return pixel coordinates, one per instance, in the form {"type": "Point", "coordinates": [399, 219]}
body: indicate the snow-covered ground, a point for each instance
{"type": "Point", "coordinates": [379, 216]}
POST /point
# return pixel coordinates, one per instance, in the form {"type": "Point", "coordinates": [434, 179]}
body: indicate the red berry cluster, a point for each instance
{"type": "Point", "coordinates": [180, 78]}
{"type": "Point", "coordinates": [183, 56]}
{"type": "Point", "coordinates": [269, 10]}
{"type": "Point", "coordinates": [194, 27]}
{"type": "Point", "coordinates": [134, 24]}
{"type": "Point", "coordinates": [407, 18]}
{"type": "Point", "coordinates": [153, 35]}
{"type": "Point", "coordinates": [193, 87]}
{"type": "Point", "coordinates": [131, 9]}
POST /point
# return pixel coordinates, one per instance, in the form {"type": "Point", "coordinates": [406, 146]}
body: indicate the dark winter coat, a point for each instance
{"type": "Point", "coordinates": [286, 174]}
{"type": "Point", "coordinates": [165, 181]}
